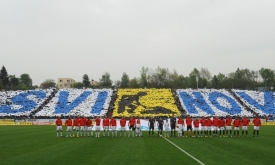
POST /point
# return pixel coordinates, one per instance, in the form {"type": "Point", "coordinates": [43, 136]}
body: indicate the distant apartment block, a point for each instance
{"type": "Point", "coordinates": [65, 82]}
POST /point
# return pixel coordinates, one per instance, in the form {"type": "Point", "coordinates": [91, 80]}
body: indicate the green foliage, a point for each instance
{"type": "Point", "coordinates": [143, 77]}
{"type": "Point", "coordinates": [85, 80]}
{"type": "Point", "coordinates": [268, 76]}
{"type": "Point", "coordinates": [4, 76]}
{"type": "Point", "coordinates": [25, 80]}
{"type": "Point", "coordinates": [14, 81]}
{"type": "Point", "coordinates": [124, 81]}
{"type": "Point", "coordinates": [1, 85]}
{"type": "Point", "coordinates": [117, 83]}
{"type": "Point", "coordinates": [36, 87]}
{"type": "Point", "coordinates": [205, 74]}
{"type": "Point", "coordinates": [77, 85]}
{"type": "Point", "coordinates": [134, 83]}
{"type": "Point", "coordinates": [176, 80]}
{"type": "Point", "coordinates": [105, 80]}
{"type": "Point", "coordinates": [161, 78]}
{"type": "Point", "coordinates": [49, 83]}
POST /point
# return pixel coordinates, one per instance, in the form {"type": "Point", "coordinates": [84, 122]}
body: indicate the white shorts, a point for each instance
{"type": "Point", "coordinates": [69, 128]}
{"type": "Point", "coordinates": [123, 128]}
{"type": "Point", "coordinates": [203, 128]}
{"type": "Point", "coordinates": [97, 127]}
{"type": "Point", "coordinates": [76, 128]}
{"type": "Point", "coordinates": [90, 128]}
{"type": "Point", "coordinates": [236, 128]}
{"type": "Point", "coordinates": [179, 128]}
{"type": "Point", "coordinates": [244, 128]}
{"type": "Point", "coordinates": [166, 129]}
{"type": "Point", "coordinates": [256, 127]}
{"type": "Point", "coordinates": [196, 128]}
{"type": "Point", "coordinates": [209, 128]}
{"type": "Point", "coordinates": [82, 128]}
{"type": "Point", "coordinates": [105, 128]}
{"type": "Point", "coordinates": [138, 130]}
{"type": "Point", "coordinates": [113, 128]}
{"type": "Point", "coordinates": [137, 126]}
{"type": "Point", "coordinates": [215, 128]}
{"type": "Point", "coordinates": [222, 128]}
{"type": "Point", "coordinates": [59, 128]}
{"type": "Point", "coordinates": [228, 127]}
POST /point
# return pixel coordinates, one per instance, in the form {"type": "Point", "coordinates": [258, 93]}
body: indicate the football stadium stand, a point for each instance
{"type": "Point", "coordinates": [78, 102]}
{"type": "Point", "coordinates": [144, 103]}
{"type": "Point", "coordinates": [50, 103]}
{"type": "Point", "coordinates": [18, 103]}
{"type": "Point", "coordinates": [210, 102]}
{"type": "Point", "coordinates": [260, 102]}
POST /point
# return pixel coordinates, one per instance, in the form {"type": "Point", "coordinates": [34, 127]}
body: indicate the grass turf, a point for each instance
{"type": "Point", "coordinates": [39, 145]}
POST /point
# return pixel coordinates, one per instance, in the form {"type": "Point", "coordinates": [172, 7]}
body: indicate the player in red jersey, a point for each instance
{"type": "Point", "coordinates": [113, 126]}
{"type": "Point", "coordinates": [82, 123]}
{"type": "Point", "coordinates": [58, 123]}
{"type": "Point", "coordinates": [222, 127]}
{"type": "Point", "coordinates": [89, 126]}
{"type": "Point", "coordinates": [76, 126]}
{"type": "Point", "coordinates": [138, 131]}
{"type": "Point", "coordinates": [132, 124]}
{"type": "Point", "coordinates": [180, 125]}
{"type": "Point", "coordinates": [69, 124]}
{"type": "Point", "coordinates": [203, 126]}
{"type": "Point", "coordinates": [106, 124]}
{"type": "Point", "coordinates": [188, 122]}
{"type": "Point", "coordinates": [228, 127]}
{"type": "Point", "coordinates": [209, 124]}
{"type": "Point", "coordinates": [236, 124]}
{"type": "Point", "coordinates": [196, 124]}
{"type": "Point", "coordinates": [97, 126]}
{"type": "Point", "coordinates": [245, 124]}
{"type": "Point", "coordinates": [216, 125]}
{"type": "Point", "coordinates": [257, 123]}
{"type": "Point", "coordinates": [123, 126]}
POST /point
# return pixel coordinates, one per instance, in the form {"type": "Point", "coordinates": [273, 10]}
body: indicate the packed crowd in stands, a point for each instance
{"type": "Point", "coordinates": [78, 102]}
{"type": "Point", "coordinates": [210, 102]}
{"type": "Point", "coordinates": [50, 103]}
{"type": "Point", "coordinates": [145, 102]}
{"type": "Point", "coordinates": [22, 103]}
{"type": "Point", "coordinates": [261, 103]}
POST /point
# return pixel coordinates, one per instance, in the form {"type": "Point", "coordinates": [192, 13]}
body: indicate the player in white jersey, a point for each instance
{"type": "Point", "coordinates": [180, 125]}
{"type": "Point", "coordinates": [138, 131]}
{"type": "Point", "coordinates": [166, 128]}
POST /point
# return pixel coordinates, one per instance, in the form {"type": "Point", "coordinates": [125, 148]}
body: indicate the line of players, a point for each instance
{"type": "Point", "coordinates": [211, 127]}
{"type": "Point", "coordinates": [82, 126]}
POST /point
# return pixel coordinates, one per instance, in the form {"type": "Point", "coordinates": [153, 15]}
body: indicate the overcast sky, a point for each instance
{"type": "Point", "coordinates": [54, 39]}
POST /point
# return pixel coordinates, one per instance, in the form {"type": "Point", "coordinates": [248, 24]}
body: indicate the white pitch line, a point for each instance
{"type": "Point", "coordinates": [184, 152]}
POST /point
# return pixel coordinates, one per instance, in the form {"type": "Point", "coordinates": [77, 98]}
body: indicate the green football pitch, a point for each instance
{"type": "Point", "coordinates": [35, 145]}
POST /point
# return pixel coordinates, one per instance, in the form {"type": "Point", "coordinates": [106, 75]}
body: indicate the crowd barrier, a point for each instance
{"type": "Point", "coordinates": [41, 123]}
{"type": "Point", "coordinates": [6, 120]}
{"type": "Point", "coordinates": [15, 123]}
{"type": "Point", "coordinates": [268, 123]}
